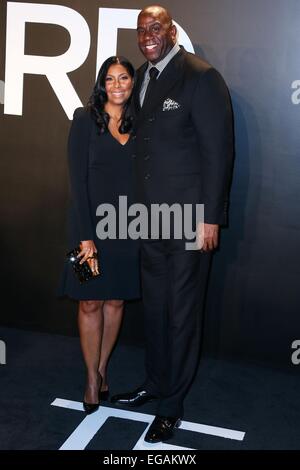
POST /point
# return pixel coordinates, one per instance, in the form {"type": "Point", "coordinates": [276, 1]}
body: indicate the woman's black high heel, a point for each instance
{"type": "Point", "coordinates": [92, 407]}
{"type": "Point", "coordinates": [104, 395]}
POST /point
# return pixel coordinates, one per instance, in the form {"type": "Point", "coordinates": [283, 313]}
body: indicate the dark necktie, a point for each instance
{"type": "Point", "coordinates": [153, 72]}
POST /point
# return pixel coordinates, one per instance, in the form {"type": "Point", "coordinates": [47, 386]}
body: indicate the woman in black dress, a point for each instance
{"type": "Point", "coordinates": [100, 164]}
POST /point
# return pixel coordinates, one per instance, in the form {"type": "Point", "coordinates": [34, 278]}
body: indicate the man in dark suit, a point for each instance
{"type": "Point", "coordinates": [184, 144]}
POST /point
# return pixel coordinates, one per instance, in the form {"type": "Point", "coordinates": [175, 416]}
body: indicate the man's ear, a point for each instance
{"type": "Point", "coordinates": [174, 31]}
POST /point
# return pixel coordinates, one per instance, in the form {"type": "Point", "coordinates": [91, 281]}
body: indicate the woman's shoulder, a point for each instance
{"type": "Point", "coordinates": [82, 121]}
{"type": "Point", "coordinates": [82, 113]}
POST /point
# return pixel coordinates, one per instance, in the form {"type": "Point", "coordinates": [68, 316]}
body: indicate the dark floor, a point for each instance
{"type": "Point", "coordinates": [39, 368]}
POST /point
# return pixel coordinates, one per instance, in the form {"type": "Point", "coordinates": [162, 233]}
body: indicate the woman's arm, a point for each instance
{"type": "Point", "coordinates": [78, 152]}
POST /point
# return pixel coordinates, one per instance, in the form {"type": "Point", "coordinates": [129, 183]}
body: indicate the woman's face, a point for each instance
{"type": "Point", "coordinates": [118, 84]}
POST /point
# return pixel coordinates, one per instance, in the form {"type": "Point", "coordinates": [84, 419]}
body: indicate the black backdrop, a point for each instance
{"type": "Point", "coordinates": [252, 307]}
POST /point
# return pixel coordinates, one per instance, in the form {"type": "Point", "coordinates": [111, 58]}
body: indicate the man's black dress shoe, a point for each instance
{"type": "Point", "coordinates": [161, 429]}
{"type": "Point", "coordinates": [136, 398]}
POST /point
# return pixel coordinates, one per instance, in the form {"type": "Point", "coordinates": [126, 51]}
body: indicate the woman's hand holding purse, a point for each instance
{"type": "Point", "coordinates": [88, 253]}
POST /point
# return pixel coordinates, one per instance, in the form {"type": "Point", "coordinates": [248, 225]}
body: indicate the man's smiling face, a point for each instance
{"type": "Point", "coordinates": [156, 34]}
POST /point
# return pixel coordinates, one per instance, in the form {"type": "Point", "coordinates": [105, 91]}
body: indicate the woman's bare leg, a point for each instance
{"type": "Point", "coordinates": [112, 315]}
{"type": "Point", "coordinates": [90, 323]}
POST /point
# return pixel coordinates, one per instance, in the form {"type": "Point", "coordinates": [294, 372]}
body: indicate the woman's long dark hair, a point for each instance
{"type": "Point", "coordinates": [99, 97]}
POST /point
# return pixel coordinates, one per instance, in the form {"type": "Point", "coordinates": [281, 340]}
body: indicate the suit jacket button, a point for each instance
{"type": "Point", "coordinates": [147, 157]}
{"type": "Point", "coordinates": [147, 176]}
{"type": "Point", "coordinates": [151, 119]}
{"type": "Point", "coordinates": [133, 155]}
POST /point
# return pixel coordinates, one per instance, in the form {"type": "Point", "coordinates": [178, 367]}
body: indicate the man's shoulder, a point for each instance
{"type": "Point", "coordinates": [196, 63]}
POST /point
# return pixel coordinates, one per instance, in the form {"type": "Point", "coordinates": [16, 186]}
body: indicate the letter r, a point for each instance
{"type": "Point", "coordinates": [55, 68]}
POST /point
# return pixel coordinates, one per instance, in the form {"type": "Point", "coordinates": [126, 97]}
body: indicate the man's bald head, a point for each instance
{"type": "Point", "coordinates": [158, 10]}
{"type": "Point", "coordinates": [156, 32]}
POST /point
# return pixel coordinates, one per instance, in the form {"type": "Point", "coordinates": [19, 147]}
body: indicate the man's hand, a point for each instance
{"type": "Point", "coordinates": [208, 236]}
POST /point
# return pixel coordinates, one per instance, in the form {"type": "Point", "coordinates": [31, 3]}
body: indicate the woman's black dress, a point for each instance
{"type": "Point", "coordinates": [100, 171]}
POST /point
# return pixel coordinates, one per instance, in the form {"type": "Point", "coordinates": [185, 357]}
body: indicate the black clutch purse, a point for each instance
{"type": "Point", "coordinates": [83, 271]}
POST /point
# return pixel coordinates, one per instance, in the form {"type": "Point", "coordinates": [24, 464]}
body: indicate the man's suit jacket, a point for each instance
{"type": "Point", "coordinates": [184, 137]}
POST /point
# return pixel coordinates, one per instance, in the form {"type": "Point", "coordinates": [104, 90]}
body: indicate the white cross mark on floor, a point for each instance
{"type": "Point", "coordinates": [89, 426]}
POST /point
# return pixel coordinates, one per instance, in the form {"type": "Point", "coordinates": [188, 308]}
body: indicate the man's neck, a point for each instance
{"type": "Point", "coordinates": [161, 64]}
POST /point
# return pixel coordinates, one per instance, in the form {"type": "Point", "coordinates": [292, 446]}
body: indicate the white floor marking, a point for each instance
{"type": "Point", "coordinates": [89, 426]}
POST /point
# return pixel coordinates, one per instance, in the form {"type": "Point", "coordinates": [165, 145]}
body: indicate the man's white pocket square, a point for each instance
{"type": "Point", "coordinates": [169, 105]}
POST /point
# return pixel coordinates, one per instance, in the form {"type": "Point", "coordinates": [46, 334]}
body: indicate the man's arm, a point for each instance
{"type": "Point", "coordinates": [212, 118]}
